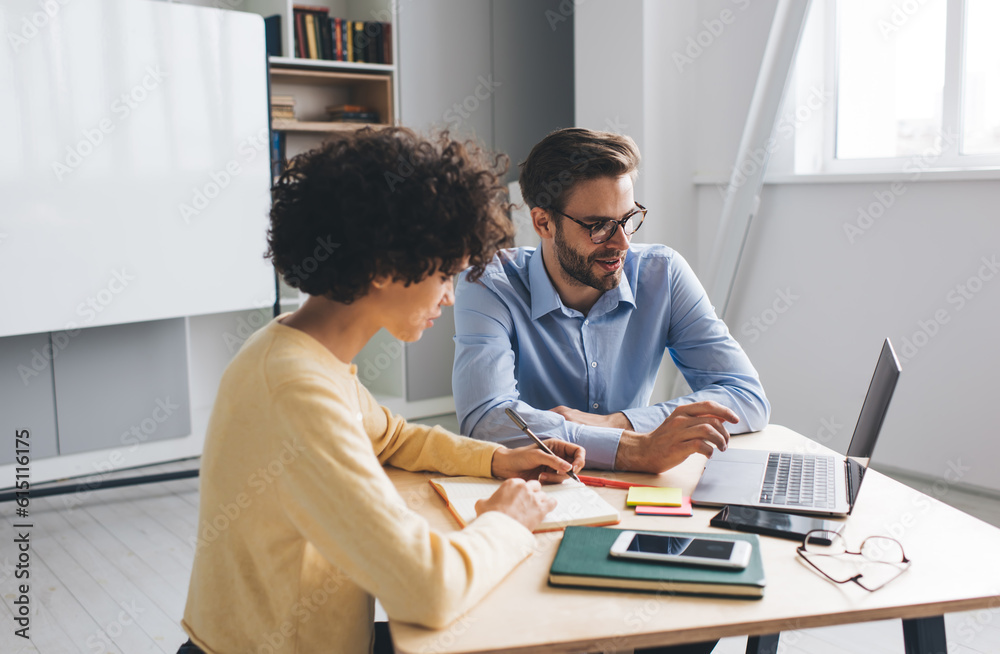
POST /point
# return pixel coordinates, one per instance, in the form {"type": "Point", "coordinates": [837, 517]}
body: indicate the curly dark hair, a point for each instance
{"type": "Point", "coordinates": [386, 202]}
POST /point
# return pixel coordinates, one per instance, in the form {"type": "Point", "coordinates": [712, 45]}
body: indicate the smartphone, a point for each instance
{"type": "Point", "coordinates": [670, 548]}
{"type": "Point", "coordinates": [771, 523]}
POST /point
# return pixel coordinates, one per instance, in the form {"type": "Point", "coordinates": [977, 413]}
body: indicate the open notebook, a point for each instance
{"type": "Point", "coordinates": [578, 505]}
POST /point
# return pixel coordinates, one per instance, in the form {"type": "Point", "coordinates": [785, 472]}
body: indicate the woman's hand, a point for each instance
{"type": "Point", "coordinates": [530, 462]}
{"type": "Point", "coordinates": [522, 500]}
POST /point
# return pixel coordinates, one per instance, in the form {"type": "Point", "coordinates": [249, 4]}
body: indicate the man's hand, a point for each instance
{"type": "Point", "coordinates": [522, 500]}
{"type": "Point", "coordinates": [690, 428]}
{"type": "Point", "coordinates": [530, 462]}
{"type": "Point", "coordinates": [615, 420]}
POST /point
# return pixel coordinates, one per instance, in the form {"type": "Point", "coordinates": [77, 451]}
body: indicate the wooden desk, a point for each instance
{"type": "Point", "coordinates": [954, 569]}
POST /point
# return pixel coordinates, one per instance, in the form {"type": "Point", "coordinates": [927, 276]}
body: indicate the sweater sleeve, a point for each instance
{"type": "Point", "coordinates": [339, 498]}
{"type": "Point", "coordinates": [416, 447]}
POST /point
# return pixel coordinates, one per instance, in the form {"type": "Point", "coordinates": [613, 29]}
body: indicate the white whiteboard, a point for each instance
{"type": "Point", "coordinates": [134, 166]}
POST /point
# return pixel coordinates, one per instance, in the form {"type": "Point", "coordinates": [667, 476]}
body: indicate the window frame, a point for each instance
{"type": "Point", "coordinates": [824, 152]}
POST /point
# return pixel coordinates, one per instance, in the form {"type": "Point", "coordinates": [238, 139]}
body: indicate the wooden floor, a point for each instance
{"type": "Point", "coordinates": [110, 574]}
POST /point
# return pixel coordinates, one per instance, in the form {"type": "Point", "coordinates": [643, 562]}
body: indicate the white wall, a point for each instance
{"type": "Point", "coordinates": [900, 277]}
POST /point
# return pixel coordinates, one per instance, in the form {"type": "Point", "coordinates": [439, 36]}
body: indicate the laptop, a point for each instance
{"type": "Point", "coordinates": [798, 482]}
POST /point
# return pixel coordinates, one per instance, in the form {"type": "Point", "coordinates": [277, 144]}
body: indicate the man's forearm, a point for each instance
{"type": "Point", "coordinates": [629, 454]}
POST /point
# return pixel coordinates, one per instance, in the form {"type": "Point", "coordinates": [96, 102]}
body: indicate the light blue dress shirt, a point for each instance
{"type": "Point", "coordinates": [517, 345]}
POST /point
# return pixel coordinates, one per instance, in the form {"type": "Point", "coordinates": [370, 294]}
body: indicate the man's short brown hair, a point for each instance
{"type": "Point", "coordinates": [568, 156]}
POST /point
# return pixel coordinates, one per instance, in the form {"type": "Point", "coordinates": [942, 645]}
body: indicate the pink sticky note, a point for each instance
{"type": "Point", "coordinates": [683, 510]}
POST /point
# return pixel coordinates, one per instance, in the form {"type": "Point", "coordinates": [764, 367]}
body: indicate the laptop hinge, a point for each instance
{"type": "Point", "coordinates": [850, 484]}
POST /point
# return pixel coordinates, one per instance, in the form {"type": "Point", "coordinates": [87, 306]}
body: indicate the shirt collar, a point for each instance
{"type": "Point", "coordinates": [545, 298]}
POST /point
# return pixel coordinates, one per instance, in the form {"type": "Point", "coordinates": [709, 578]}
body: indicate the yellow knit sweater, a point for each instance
{"type": "Point", "coordinates": [299, 526]}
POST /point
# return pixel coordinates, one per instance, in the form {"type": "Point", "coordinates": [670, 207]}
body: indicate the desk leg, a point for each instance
{"type": "Point", "coordinates": [925, 636]}
{"type": "Point", "coordinates": [762, 644]}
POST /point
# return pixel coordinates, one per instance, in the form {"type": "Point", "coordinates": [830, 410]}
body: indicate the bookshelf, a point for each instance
{"type": "Point", "coordinates": [317, 84]}
{"type": "Point", "coordinates": [322, 64]}
{"type": "Point", "coordinates": [316, 88]}
{"type": "Point", "coordinates": [441, 50]}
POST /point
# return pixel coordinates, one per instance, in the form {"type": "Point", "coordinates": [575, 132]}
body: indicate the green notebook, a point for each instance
{"type": "Point", "coordinates": [583, 559]}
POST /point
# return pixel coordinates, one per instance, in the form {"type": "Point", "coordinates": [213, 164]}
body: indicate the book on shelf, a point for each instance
{"type": "Point", "coordinates": [320, 36]}
{"type": "Point", "coordinates": [361, 41]}
{"type": "Point", "coordinates": [300, 34]}
{"type": "Point", "coordinates": [272, 35]}
{"type": "Point", "coordinates": [577, 504]}
{"type": "Point", "coordinates": [355, 117]}
{"type": "Point", "coordinates": [338, 38]}
{"type": "Point", "coordinates": [584, 559]}
{"type": "Point", "coordinates": [339, 108]}
{"type": "Point", "coordinates": [277, 153]}
{"type": "Point", "coordinates": [311, 36]}
{"type": "Point", "coordinates": [352, 113]}
{"type": "Point", "coordinates": [283, 107]}
{"type": "Point", "coordinates": [349, 40]}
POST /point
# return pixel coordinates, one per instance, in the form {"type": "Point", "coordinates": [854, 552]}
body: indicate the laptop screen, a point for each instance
{"type": "Point", "coordinates": [872, 416]}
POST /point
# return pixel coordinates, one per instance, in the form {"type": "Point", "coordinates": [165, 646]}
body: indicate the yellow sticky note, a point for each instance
{"type": "Point", "coordinates": [650, 496]}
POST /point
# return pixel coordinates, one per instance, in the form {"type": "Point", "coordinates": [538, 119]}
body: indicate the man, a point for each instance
{"type": "Point", "coordinates": [571, 334]}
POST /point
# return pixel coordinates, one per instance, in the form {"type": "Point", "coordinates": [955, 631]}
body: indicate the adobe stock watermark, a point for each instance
{"type": "Point", "coordinates": [121, 109]}
{"type": "Point", "coordinates": [227, 4]}
{"type": "Point", "coordinates": [637, 618]}
{"type": "Point", "coordinates": [459, 112]}
{"type": "Point", "coordinates": [372, 367]}
{"type": "Point", "coordinates": [103, 639]}
{"type": "Point", "coordinates": [565, 10]}
{"type": "Point", "coordinates": [785, 129]}
{"type": "Point", "coordinates": [246, 325]}
{"type": "Point", "coordinates": [259, 480]}
{"type": "Point", "coordinates": [753, 327]}
{"type": "Point", "coordinates": [898, 17]}
{"type": "Point", "coordinates": [219, 180]}
{"type": "Point", "coordinates": [135, 435]}
{"type": "Point", "coordinates": [446, 639]}
{"type": "Point", "coordinates": [31, 25]}
{"type": "Point", "coordinates": [302, 610]}
{"type": "Point", "coordinates": [884, 199]}
{"type": "Point", "coordinates": [615, 125]}
{"type": "Point", "coordinates": [88, 310]}
{"type": "Point", "coordinates": [974, 623]}
{"type": "Point", "coordinates": [713, 28]}
{"type": "Point", "coordinates": [579, 162]}
{"type": "Point", "coordinates": [959, 297]}
{"type": "Point", "coordinates": [301, 271]}
{"type": "Point", "coordinates": [954, 472]}
{"type": "Point", "coordinates": [387, 16]}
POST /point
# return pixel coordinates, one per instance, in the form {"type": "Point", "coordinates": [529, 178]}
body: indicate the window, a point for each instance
{"type": "Point", "coordinates": [910, 83]}
{"type": "Point", "coordinates": [981, 79]}
{"type": "Point", "coordinates": [890, 79]}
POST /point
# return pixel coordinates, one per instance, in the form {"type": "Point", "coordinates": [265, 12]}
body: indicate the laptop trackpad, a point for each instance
{"type": "Point", "coordinates": [730, 482]}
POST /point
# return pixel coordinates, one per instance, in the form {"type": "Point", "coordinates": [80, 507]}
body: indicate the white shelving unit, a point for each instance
{"type": "Point", "coordinates": [316, 84]}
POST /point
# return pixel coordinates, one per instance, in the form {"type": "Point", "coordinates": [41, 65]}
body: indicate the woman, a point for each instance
{"type": "Point", "coordinates": [299, 526]}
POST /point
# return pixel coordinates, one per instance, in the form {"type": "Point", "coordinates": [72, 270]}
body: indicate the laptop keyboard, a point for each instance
{"type": "Point", "coordinates": [799, 480]}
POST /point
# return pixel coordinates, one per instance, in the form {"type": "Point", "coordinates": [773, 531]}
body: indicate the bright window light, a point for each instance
{"type": "Point", "coordinates": [890, 77]}
{"type": "Point", "coordinates": [981, 83]}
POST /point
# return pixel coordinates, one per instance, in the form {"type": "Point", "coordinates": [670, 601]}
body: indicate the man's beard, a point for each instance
{"type": "Point", "coordinates": [581, 268]}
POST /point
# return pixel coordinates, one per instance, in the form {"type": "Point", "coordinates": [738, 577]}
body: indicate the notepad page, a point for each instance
{"type": "Point", "coordinates": [577, 504]}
